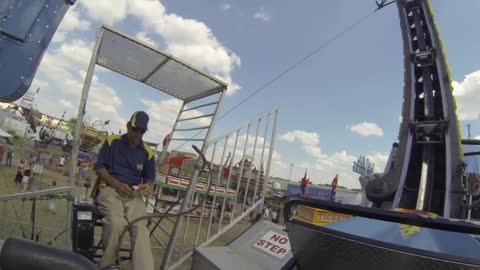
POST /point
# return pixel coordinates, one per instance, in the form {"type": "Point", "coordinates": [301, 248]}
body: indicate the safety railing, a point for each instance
{"type": "Point", "coordinates": [240, 164]}
{"type": "Point", "coordinates": [37, 215]}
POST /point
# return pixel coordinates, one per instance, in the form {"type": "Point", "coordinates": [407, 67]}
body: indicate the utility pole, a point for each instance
{"type": "Point", "coordinates": [25, 99]}
{"type": "Point", "coordinates": [469, 135]}
{"type": "Point", "coordinates": [290, 176]}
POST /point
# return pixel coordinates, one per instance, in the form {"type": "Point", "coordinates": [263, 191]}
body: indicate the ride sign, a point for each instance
{"type": "Point", "coordinates": [274, 244]}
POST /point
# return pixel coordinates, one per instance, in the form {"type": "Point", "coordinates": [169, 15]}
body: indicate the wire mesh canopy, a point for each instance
{"type": "Point", "coordinates": [144, 63]}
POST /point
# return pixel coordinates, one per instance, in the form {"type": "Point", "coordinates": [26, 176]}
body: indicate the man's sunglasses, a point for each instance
{"type": "Point", "coordinates": [139, 130]}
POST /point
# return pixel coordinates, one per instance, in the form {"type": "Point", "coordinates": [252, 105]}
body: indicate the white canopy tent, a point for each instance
{"type": "Point", "coordinates": [5, 134]}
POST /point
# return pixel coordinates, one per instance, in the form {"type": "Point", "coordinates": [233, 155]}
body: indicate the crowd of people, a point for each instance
{"type": "Point", "coordinates": [34, 164]}
{"type": "Point", "coordinates": [26, 169]}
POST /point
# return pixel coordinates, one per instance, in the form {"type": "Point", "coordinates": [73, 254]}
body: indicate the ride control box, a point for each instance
{"type": "Point", "coordinates": [83, 227]}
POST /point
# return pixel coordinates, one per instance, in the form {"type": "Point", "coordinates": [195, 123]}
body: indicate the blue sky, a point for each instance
{"type": "Point", "coordinates": [342, 102]}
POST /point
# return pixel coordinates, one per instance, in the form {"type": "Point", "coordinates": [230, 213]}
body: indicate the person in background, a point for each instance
{"type": "Point", "coordinates": [19, 175]}
{"type": "Point", "coordinates": [266, 213]}
{"type": "Point", "coordinates": [9, 156]}
{"type": "Point", "coordinates": [2, 153]}
{"type": "Point", "coordinates": [26, 176]}
{"type": "Point", "coordinates": [43, 158]}
{"type": "Point", "coordinates": [51, 202]}
{"type": "Point", "coordinates": [274, 217]}
{"type": "Point", "coordinates": [50, 160]}
{"type": "Point", "coordinates": [255, 217]}
{"type": "Point", "coordinates": [33, 154]}
{"type": "Point", "coordinates": [61, 162]}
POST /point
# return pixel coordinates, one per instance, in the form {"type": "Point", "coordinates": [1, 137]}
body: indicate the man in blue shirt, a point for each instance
{"type": "Point", "coordinates": [125, 161]}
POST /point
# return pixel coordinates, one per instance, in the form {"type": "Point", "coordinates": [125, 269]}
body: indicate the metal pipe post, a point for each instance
{"type": "Point", "coordinates": [240, 175]}
{"type": "Point", "coordinates": [261, 158]}
{"type": "Point", "coordinates": [220, 171]}
{"type": "Point", "coordinates": [76, 140]}
{"type": "Point", "coordinates": [227, 187]}
{"type": "Point", "coordinates": [270, 155]}
{"type": "Point", "coordinates": [247, 185]}
{"type": "Point", "coordinates": [205, 201]}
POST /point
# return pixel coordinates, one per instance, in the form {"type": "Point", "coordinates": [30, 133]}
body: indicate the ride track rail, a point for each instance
{"type": "Point", "coordinates": [427, 170]}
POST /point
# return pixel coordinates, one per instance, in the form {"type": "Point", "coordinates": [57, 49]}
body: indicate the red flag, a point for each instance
{"type": "Point", "coordinates": [334, 188]}
{"type": "Point", "coordinates": [166, 140]}
{"type": "Point", "coordinates": [304, 184]}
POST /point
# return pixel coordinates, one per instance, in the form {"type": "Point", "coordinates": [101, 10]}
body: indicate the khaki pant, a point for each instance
{"type": "Point", "coordinates": [117, 210]}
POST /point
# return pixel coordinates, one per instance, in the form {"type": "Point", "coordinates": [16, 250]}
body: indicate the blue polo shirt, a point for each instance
{"type": "Point", "coordinates": [130, 165]}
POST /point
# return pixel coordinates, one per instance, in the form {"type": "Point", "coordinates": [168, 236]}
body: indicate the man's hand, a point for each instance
{"type": "Point", "coordinates": [146, 188]}
{"type": "Point", "coordinates": [123, 190]}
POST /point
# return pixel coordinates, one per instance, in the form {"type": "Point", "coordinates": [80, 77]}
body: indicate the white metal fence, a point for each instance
{"type": "Point", "coordinates": [241, 161]}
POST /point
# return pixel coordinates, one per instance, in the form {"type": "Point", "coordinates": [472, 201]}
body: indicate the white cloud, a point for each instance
{"type": "Point", "coordinates": [323, 167]}
{"type": "Point", "coordinates": [64, 67]}
{"type": "Point", "coordinates": [76, 53]}
{"type": "Point", "coordinates": [225, 6]}
{"type": "Point", "coordinates": [379, 159]}
{"type": "Point", "coordinates": [262, 15]}
{"type": "Point", "coordinates": [278, 163]}
{"type": "Point", "coordinates": [72, 21]}
{"type": "Point", "coordinates": [105, 11]}
{"type": "Point", "coordinates": [467, 95]}
{"type": "Point", "coordinates": [367, 129]}
{"type": "Point", "coordinates": [37, 83]}
{"type": "Point", "coordinates": [322, 170]}
{"type": "Point", "coordinates": [251, 140]}
{"type": "Point", "coordinates": [59, 36]}
{"type": "Point", "coordinates": [187, 39]}
{"type": "Point", "coordinates": [232, 87]}
{"type": "Point", "coordinates": [310, 141]}
{"type": "Point", "coordinates": [215, 59]}
{"type": "Point", "coordinates": [143, 36]}
{"type": "Point", "coordinates": [257, 157]}
{"type": "Point", "coordinates": [67, 104]}
{"type": "Point", "coordinates": [162, 117]}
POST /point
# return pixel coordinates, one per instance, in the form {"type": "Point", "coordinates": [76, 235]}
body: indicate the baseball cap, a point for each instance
{"type": "Point", "coordinates": [139, 119]}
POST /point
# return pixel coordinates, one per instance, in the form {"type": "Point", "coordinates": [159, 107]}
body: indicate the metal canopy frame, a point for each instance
{"type": "Point", "coordinates": [144, 63]}
{"type": "Point", "coordinates": [139, 61]}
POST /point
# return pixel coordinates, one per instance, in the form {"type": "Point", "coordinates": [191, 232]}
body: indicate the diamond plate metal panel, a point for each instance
{"type": "Point", "coordinates": [139, 61]}
{"type": "Point", "coordinates": [126, 57]}
{"type": "Point", "coordinates": [181, 81]}
{"type": "Point", "coordinates": [314, 249]}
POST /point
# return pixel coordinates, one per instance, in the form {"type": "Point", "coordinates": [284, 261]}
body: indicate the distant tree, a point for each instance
{"type": "Point", "coordinates": [70, 124]}
{"type": "Point", "coordinates": [37, 113]}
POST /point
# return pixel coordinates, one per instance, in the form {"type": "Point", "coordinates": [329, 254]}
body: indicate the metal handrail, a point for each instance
{"type": "Point", "coordinates": [33, 194]}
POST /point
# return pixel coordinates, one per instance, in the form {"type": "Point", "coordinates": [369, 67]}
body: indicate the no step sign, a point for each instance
{"type": "Point", "coordinates": [274, 244]}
